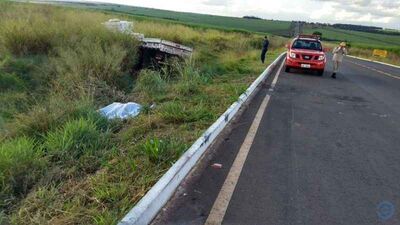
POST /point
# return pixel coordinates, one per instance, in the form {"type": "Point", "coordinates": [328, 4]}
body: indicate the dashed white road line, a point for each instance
{"type": "Point", "coordinates": [220, 206]}
{"type": "Point", "coordinates": [376, 70]}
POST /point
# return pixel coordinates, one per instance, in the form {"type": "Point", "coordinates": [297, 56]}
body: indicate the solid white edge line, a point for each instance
{"type": "Point", "coordinates": [273, 84]}
{"type": "Point", "coordinates": [221, 204]}
{"type": "Point", "coordinates": [376, 70]}
{"type": "Point", "coordinates": [150, 204]}
{"type": "Point", "coordinates": [374, 61]}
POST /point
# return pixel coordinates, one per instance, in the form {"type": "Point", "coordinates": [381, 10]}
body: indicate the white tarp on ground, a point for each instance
{"type": "Point", "coordinates": [121, 110]}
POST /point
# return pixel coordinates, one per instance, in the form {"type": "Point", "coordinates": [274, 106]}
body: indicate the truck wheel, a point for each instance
{"type": "Point", "coordinates": [320, 72]}
{"type": "Point", "coordinates": [287, 69]}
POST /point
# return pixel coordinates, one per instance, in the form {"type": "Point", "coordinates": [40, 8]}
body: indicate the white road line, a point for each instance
{"type": "Point", "coordinates": [374, 61]}
{"type": "Point", "coordinates": [220, 206]}
{"type": "Point", "coordinates": [276, 77]}
{"type": "Point", "coordinates": [376, 70]}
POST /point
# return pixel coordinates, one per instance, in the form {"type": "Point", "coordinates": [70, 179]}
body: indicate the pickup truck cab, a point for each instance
{"type": "Point", "coordinates": [306, 52]}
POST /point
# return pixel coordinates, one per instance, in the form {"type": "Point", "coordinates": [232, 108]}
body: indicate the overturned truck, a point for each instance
{"type": "Point", "coordinates": [154, 51]}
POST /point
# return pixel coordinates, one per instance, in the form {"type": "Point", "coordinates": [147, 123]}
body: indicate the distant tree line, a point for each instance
{"type": "Point", "coordinates": [369, 29]}
{"type": "Point", "coordinates": [317, 33]}
{"type": "Point", "coordinates": [357, 27]}
{"type": "Point", "coordinates": [252, 17]}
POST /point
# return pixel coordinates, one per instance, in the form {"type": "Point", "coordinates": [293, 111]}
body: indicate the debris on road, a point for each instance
{"type": "Point", "coordinates": [216, 166]}
{"type": "Point", "coordinates": [198, 192]}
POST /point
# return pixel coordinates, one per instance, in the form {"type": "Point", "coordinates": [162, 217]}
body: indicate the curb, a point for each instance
{"type": "Point", "coordinates": [369, 60]}
{"type": "Point", "coordinates": [149, 206]}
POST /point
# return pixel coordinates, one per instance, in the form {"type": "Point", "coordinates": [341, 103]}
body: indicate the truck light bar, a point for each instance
{"type": "Point", "coordinates": [312, 36]}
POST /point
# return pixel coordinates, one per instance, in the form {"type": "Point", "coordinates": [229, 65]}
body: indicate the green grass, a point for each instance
{"type": "Point", "coordinates": [150, 83]}
{"type": "Point", "coordinates": [61, 161]}
{"type": "Point", "coordinates": [21, 165]}
{"type": "Point", "coordinates": [77, 138]}
{"type": "Point", "coordinates": [392, 58]}
{"type": "Point", "coordinates": [162, 150]}
{"type": "Point", "coordinates": [177, 112]}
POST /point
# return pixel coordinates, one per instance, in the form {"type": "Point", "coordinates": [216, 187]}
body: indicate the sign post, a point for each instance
{"type": "Point", "coordinates": [380, 53]}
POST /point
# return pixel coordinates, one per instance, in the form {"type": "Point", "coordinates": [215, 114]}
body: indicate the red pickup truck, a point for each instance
{"type": "Point", "coordinates": [306, 52]}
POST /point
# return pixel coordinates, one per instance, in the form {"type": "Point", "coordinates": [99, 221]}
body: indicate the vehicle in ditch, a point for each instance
{"type": "Point", "coordinates": [154, 51]}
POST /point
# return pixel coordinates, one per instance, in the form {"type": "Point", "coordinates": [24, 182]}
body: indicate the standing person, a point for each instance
{"type": "Point", "coordinates": [338, 54]}
{"type": "Point", "coordinates": [264, 49]}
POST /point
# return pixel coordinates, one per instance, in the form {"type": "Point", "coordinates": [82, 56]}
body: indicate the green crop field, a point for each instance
{"type": "Point", "coordinates": [234, 23]}
{"type": "Point", "coordinates": [357, 38]}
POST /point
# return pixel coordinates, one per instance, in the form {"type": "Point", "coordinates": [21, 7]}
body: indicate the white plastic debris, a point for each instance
{"type": "Point", "coordinates": [119, 25]}
{"type": "Point", "coordinates": [217, 166]}
{"type": "Point", "coordinates": [121, 110]}
{"type": "Point", "coordinates": [123, 26]}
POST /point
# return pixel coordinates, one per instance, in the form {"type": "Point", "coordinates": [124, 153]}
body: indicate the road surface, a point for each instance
{"type": "Point", "coordinates": [324, 152]}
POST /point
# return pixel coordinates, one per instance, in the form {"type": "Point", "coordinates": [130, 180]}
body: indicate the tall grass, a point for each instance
{"type": "Point", "coordinates": [215, 39]}
{"type": "Point", "coordinates": [151, 83]}
{"type": "Point", "coordinates": [45, 117]}
{"type": "Point", "coordinates": [162, 150]}
{"type": "Point", "coordinates": [21, 165]}
{"type": "Point", "coordinates": [392, 58]}
{"type": "Point", "coordinates": [176, 112]}
{"type": "Point", "coordinates": [90, 70]}
{"type": "Point", "coordinates": [366, 51]}
{"type": "Point", "coordinates": [12, 103]}
{"type": "Point", "coordinates": [97, 65]}
{"type": "Point", "coordinates": [76, 139]}
{"type": "Point", "coordinates": [188, 78]}
{"type": "Point", "coordinates": [22, 37]}
{"type": "Point", "coordinates": [27, 29]}
{"type": "Point", "coordinates": [10, 82]}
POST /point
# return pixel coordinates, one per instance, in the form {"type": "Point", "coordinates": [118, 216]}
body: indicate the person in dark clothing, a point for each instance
{"type": "Point", "coordinates": [264, 49]}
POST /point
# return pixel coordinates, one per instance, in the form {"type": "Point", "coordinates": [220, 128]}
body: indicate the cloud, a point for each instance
{"type": "Point", "coordinates": [216, 2]}
{"type": "Point", "coordinates": [384, 13]}
{"type": "Point", "coordinates": [377, 9]}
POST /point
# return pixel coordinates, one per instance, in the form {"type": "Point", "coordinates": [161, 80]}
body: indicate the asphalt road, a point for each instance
{"type": "Point", "coordinates": [326, 152]}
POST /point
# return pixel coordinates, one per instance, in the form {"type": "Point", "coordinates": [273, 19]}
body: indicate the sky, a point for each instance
{"type": "Point", "coordinates": [383, 13]}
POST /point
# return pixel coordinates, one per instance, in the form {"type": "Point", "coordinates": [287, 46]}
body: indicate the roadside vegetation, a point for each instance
{"type": "Point", "coordinates": [358, 38]}
{"type": "Point", "coordinates": [392, 58]}
{"type": "Point", "coordinates": [362, 39]}
{"type": "Point", "coordinates": [362, 44]}
{"type": "Point", "coordinates": [367, 53]}
{"type": "Point", "coordinates": [61, 162]}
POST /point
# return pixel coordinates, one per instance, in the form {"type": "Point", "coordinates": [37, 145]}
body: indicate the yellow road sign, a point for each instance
{"type": "Point", "coordinates": [380, 53]}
